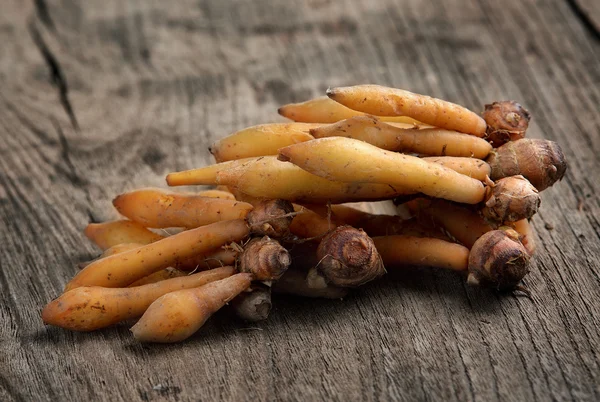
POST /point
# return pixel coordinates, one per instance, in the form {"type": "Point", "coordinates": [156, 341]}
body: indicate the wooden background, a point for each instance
{"type": "Point", "coordinates": [100, 97]}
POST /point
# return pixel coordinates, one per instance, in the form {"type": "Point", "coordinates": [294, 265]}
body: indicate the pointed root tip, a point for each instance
{"type": "Point", "coordinates": [281, 111]}
{"type": "Point", "coordinates": [331, 93]}
{"type": "Point", "coordinates": [283, 155]}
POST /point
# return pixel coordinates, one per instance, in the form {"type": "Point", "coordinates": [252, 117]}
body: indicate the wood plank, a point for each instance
{"type": "Point", "coordinates": [151, 84]}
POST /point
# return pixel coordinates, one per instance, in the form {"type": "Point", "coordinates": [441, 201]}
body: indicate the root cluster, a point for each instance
{"type": "Point", "coordinates": [467, 186]}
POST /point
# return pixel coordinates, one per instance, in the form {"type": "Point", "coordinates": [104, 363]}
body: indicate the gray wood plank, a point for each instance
{"type": "Point", "coordinates": [102, 97]}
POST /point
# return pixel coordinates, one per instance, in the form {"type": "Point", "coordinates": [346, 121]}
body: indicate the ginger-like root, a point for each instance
{"type": "Point", "coordinates": [254, 305]}
{"type": "Point", "coordinates": [347, 160]}
{"type": "Point", "coordinates": [409, 250]}
{"type": "Point", "coordinates": [178, 315]}
{"type": "Point", "coordinates": [461, 223]}
{"type": "Point", "coordinates": [348, 258]}
{"type": "Point", "coordinates": [159, 276]}
{"type": "Point", "coordinates": [265, 258]}
{"type": "Point", "coordinates": [498, 260]}
{"type": "Point", "coordinates": [269, 178]}
{"type": "Point", "coordinates": [157, 208]}
{"type": "Point", "coordinates": [205, 175]}
{"type": "Point", "coordinates": [271, 218]}
{"type": "Point", "coordinates": [526, 233]}
{"type": "Point", "coordinates": [127, 267]}
{"type": "Point", "coordinates": [224, 195]}
{"type": "Point", "coordinates": [506, 121]}
{"type": "Point", "coordinates": [308, 224]}
{"type": "Point", "coordinates": [383, 101]}
{"type": "Point", "coordinates": [427, 141]}
{"type": "Point", "coordinates": [109, 234]}
{"type": "Point", "coordinates": [510, 199]}
{"type": "Point", "coordinates": [542, 162]}
{"type": "Point", "coordinates": [472, 167]}
{"type": "Point", "coordinates": [261, 140]}
{"type": "Point", "coordinates": [93, 307]}
{"type": "Point", "coordinates": [325, 110]}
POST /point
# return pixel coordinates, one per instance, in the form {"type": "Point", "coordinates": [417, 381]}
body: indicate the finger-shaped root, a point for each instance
{"type": "Point", "coordinates": [409, 250]}
{"type": "Point", "coordinates": [205, 175]}
{"type": "Point", "coordinates": [159, 208]}
{"type": "Point", "coordinates": [270, 178]}
{"type": "Point", "coordinates": [472, 167]}
{"type": "Point", "coordinates": [384, 101]}
{"type": "Point", "coordinates": [428, 141]}
{"type": "Point", "coordinates": [127, 267]}
{"type": "Point", "coordinates": [109, 234]}
{"type": "Point", "coordinates": [90, 308]}
{"type": "Point", "coordinates": [178, 315]}
{"type": "Point", "coordinates": [348, 160]}
{"type": "Point", "coordinates": [261, 140]}
{"type": "Point", "coordinates": [325, 110]}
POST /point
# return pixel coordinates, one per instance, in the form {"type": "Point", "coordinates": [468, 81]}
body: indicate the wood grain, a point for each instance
{"type": "Point", "coordinates": [102, 97]}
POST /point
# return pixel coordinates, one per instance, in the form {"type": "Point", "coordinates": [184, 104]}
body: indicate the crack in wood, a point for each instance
{"type": "Point", "coordinates": [56, 72]}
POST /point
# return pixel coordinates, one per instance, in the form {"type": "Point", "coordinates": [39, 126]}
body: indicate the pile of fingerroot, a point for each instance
{"type": "Point", "coordinates": [279, 219]}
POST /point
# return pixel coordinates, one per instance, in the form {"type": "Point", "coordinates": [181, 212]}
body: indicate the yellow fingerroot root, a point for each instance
{"type": "Point", "coordinates": [261, 140]}
{"type": "Point", "coordinates": [94, 307]}
{"type": "Point", "coordinates": [472, 167]}
{"type": "Point", "coordinates": [428, 141]}
{"type": "Point", "coordinates": [353, 161]}
{"type": "Point", "coordinates": [178, 315]}
{"type": "Point", "coordinates": [123, 269]}
{"type": "Point", "coordinates": [270, 178]}
{"type": "Point", "coordinates": [325, 110]}
{"type": "Point", "coordinates": [409, 250]}
{"type": "Point", "coordinates": [383, 101]}
{"type": "Point", "coordinates": [203, 176]}
{"type": "Point", "coordinates": [159, 208]}
{"type": "Point", "coordinates": [109, 234]}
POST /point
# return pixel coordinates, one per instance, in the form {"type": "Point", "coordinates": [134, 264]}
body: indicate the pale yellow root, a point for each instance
{"type": "Point", "coordinates": [161, 275]}
{"type": "Point", "coordinates": [261, 140]}
{"type": "Point", "coordinates": [347, 160]}
{"type": "Point", "coordinates": [116, 249]}
{"type": "Point", "coordinates": [325, 110]}
{"type": "Point", "coordinates": [525, 230]}
{"type": "Point", "coordinates": [383, 101]}
{"type": "Point", "coordinates": [271, 179]}
{"type": "Point", "coordinates": [308, 224]}
{"type": "Point", "coordinates": [409, 250]}
{"type": "Point", "coordinates": [472, 167]}
{"type": "Point", "coordinates": [213, 259]}
{"type": "Point", "coordinates": [429, 141]}
{"type": "Point", "coordinates": [109, 234]}
{"type": "Point", "coordinates": [203, 176]}
{"type": "Point", "coordinates": [178, 315]}
{"type": "Point", "coordinates": [159, 208]}
{"type": "Point", "coordinates": [224, 195]}
{"type": "Point", "coordinates": [123, 269]}
{"type": "Point", "coordinates": [463, 224]}
{"type": "Point", "coordinates": [90, 308]}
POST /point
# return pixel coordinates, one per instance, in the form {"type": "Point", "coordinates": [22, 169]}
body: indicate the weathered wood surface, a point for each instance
{"type": "Point", "coordinates": [101, 97]}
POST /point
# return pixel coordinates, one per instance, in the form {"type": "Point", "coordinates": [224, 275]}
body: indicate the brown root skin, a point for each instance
{"type": "Point", "coordinates": [348, 258]}
{"type": "Point", "coordinates": [510, 199]}
{"type": "Point", "coordinates": [254, 305]}
{"type": "Point", "coordinates": [506, 121]}
{"type": "Point", "coordinates": [271, 218]}
{"type": "Point", "coordinates": [542, 162]}
{"type": "Point", "coordinates": [265, 258]}
{"type": "Point", "coordinates": [498, 260]}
